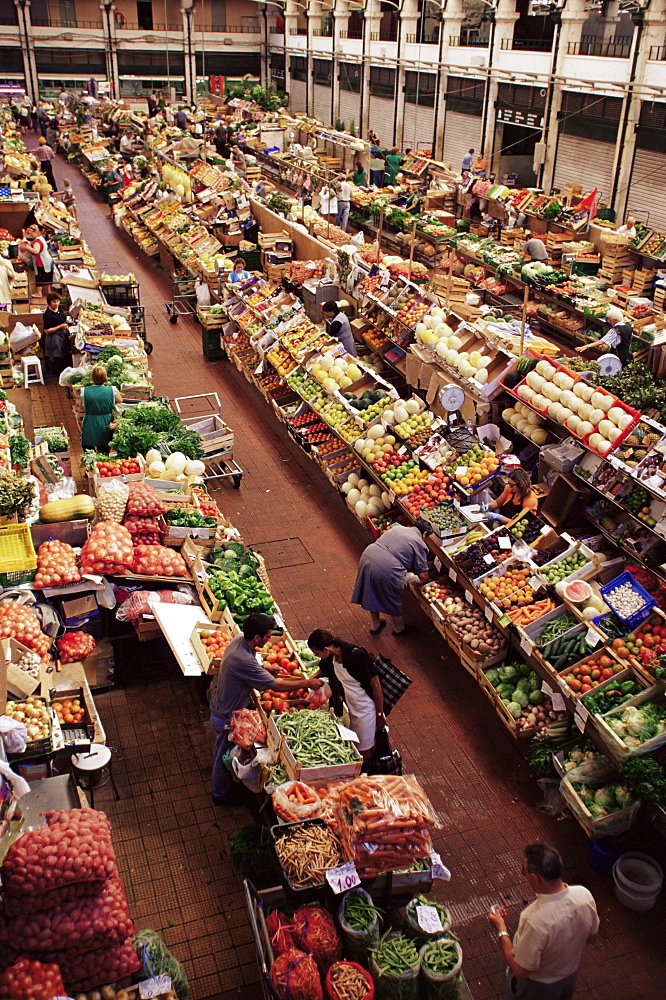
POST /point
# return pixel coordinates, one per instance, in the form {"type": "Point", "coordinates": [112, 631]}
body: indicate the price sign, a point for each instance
{"type": "Point", "coordinates": [343, 878]}
{"type": "Point", "coordinates": [469, 597]}
{"type": "Point", "coordinates": [488, 559]}
{"type": "Point", "coordinates": [504, 542]}
{"type": "Point", "coordinates": [581, 715]}
{"type": "Point", "coordinates": [534, 583]}
{"type": "Point", "coordinates": [259, 369]}
{"type": "Point", "coordinates": [558, 702]}
{"type": "Point", "coordinates": [489, 614]}
{"type": "Point", "coordinates": [347, 734]}
{"type": "Point", "coordinates": [391, 496]}
{"type": "Point", "coordinates": [504, 621]}
{"type": "Point", "coordinates": [547, 689]}
{"type": "Point", "coordinates": [452, 574]}
{"type": "Point", "coordinates": [438, 564]}
{"type": "Point", "coordinates": [567, 538]}
{"type": "Point", "coordinates": [592, 637]}
{"type": "Point", "coordinates": [155, 987]}
{"type": "Point", "coordinates": [526, 645]}
{"type": "Point", "coordinates": [393, 393]}
{"type": "Point", "coordinates": [439, 870]}
{"type": "Point", "coordinates": [428, 919]}
{"type": "Point", "coordinates": [546, 529]}
{"type": "Point", "coordinates": [461, 470]}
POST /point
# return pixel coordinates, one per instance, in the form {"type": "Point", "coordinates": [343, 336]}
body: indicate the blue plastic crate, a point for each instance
{"type": "Point", "coordinates": [638, 616]}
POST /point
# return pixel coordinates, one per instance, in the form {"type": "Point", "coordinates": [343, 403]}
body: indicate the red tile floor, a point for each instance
{"type": "Point", "coordinates": [173, 844]}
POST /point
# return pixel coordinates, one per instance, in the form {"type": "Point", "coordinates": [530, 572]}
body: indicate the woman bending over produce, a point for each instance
{"type": "Point", "coordinates": [517, 496]}
{"type": "Point", "coordinates": [98, 402]}
{"type": "Point", "coordinates": [351, 673]}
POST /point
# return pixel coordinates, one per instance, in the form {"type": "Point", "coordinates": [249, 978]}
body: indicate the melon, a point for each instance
{"type": "Point", "coordinates": [412, 406]}
{"type": "Point", "coordinates": [595, 416]}
{"type": "Point", "coordinates": [577, 591]}
{"type": "Point", "coordinates": [375, 432]}
{"type": "Point", "coordinates": [420, 329]}
{"type": "Point", "coordinates": [455, 343]}
{"type": "Point", "coordinates": [536, 381]}
{"type": "Point", "coordinates": [602, 400]}
{"type": "Point", "coordinates": [546, 369]}
{"type": "Point", "coordinates": [605, 427]}
{"type": "Point", "coordinates": [585, 427]}
{"type": "Point", "coordinates": [361, 508]}
{"type": "Point", "coordinates": [508, 413]}
{"type": "Point", "coordinates": [353, 478]}
{"type": "Point", "coordinates": [539, 435]}
{"type": "Point", "coordinates": [583, 391]}
{"type": "Point", "coordinates": [401, 414]}
{"type": "Point", "coordinates": [584, 411]}
{"type": "Point", "coordinates": [624, 421]}
{"type": "Point", "coordinates": [388, 416]}
{"type": "Point", "coordinates": [615, 414]}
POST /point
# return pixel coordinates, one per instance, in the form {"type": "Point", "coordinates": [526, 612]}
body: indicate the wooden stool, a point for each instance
{"type": "Point", "coordinates": [93, 763]}
{"type": "Point", "coordinates": [32, 371]}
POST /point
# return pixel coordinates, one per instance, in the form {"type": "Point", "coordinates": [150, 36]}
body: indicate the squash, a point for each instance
{"type": "Point", "coordinates": [74, 508]}
{"type": "Point", "coordinates": [176, 462]}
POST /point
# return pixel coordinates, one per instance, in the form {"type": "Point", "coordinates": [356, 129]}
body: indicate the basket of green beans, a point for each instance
{"type": "Point", "coordinates": [359, 921]}
{"type": "Point", "coordinates": [414, 927]}
{"type": "Point", "coordinates": [441, 962]}
{"type": "Point", "coordinates": [395, 965]}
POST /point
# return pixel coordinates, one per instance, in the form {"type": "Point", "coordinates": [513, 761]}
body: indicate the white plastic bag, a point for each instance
{"type": "Point", "coordinates": [14, 734]}
{"type": "Point", "coordinates": [202, 292]}
{"type": "Point", "coordinates": [249, 774]}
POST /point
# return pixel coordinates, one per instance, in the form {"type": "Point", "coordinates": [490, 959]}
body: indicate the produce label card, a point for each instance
{"type": "Point", "coordinates": [429, 919]}
{"type": "Point", "coordinates": [439, 869]}
{"type": "Point", "coordinates": [343, 878]}
{"type": "Point", "coordinates": [154, 987]}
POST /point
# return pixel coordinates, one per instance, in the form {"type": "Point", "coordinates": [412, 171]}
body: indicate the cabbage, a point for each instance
{"type": "Point", "coordinates": [492, 677]}
{"type": "Point", "coordinates": [596, 811]}
{"type": "Point", "coordinates": [524, 684]}
{"type": "Point", "coordinates": [585, 793]}
{"type": "Point", "coordinates": [604, 797]}
{"type": "Point", "coordinates": [618, 727]}
{"type": "Point", "coordinates": [515, 709]}
{"type": "Point", "coordinates": [520, 697]}
{"type": "Point", "coordinates": [639, 723]}
{"type": "Point", "coordinates": [623, 797]}
{"type": "Point", "coordinates": [507, 672]}
{"type": "Point", "coordinates": [536, 697]}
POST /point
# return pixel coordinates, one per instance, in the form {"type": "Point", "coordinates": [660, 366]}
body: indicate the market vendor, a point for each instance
{"type": "Point", "coordinates": [393, 161]}
{"type": "Point", "coordinates": [628, 229]}
{"type": "Point", "coordinates": [126, 146]}
{"type": "Point", "coordinates": [57, 349]}
{"type": "Point", "coordinates": [338, 326]}
{"type": "Point", "coordinates": [516, 497]}
{"type": "Point", "coordinates": [98, 402]}
{"type": "Point", "coordinates": [359, 176]}
{"type": "Point", "coordinates": [35, 248]}
{"type": "Point", "coordinates": [239, 675]}
{"type": "Point", "coordinates": [382, 571]}
{"type": "Point", "coordinates": [239, 274]}
{"type": "Point", "coordinates": [353, 676]}
{"type": "Point", "coordinates": [535, 249]}
{"type": "Point", "coordinates": [618, 338]}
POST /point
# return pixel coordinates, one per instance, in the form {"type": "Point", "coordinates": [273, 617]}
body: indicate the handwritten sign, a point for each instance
{"type": "Point", "coordinates": [428, 919]}
{"type": "Point", "coordinates": [438, 565]}
{"type": "Point", "coordinates": [155, 987]}
{"type": "Point", "coordinates": [526, 645]}
{"type": "Point", "coordinates": [452, 574]}
{"type": "Point", "coordinates": [488, 612]}
{"type": "Point", "coordinates": [347, 734]}
{"type": "Point", "coordinates": [581, 715]}
{"type": "Point", "coordinates": [504, 542]}
{"type": "Point", "coordinates": [558, 702]}
{"type": "Point", "coordinates": [343, 878]}
{"type": "Point", "coordinates": [592, 637]}
{"type": "Point", "coordinates": [488, 559]}
{"type": "Point", "coordinates": [439, 869]}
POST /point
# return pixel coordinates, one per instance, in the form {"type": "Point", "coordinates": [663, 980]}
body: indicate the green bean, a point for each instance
{"type": "Point", "coordinates": [359, 913]}
{"type": "Point", "coordinates": [314, 738]}
{"type": "Point", "coordinates": [441, 956]}
{"type": "Point", "coordinates": [395, 955]}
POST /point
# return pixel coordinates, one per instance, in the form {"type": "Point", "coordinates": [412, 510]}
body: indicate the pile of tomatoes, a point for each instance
{"type": "Point", "coordinates": [278, 654]}
{"type": "Point", "coordinates": [70, 711]}
{"type": "Point", "coordinates": [595, 670]}
{"type": "Point", "coordinates": [118, 467]}
{"type": "Point", "coordinates": [215, 642]}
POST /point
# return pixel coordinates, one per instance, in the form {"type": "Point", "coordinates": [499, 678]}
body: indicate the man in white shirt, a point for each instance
{"type": "Point", "coordinates": [628, 229]}
{"type": "Point", "coordinates": [544, 956]}
{"type": "Point", "coordinates": [344, 203]}
{"type": "Point", "coordinates": [126, 147]}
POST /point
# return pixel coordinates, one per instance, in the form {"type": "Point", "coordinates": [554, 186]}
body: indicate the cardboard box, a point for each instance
{"type": "Point", "coordinates": [80, 607]}
{"type": "Point", "coordinates": [18, 683]}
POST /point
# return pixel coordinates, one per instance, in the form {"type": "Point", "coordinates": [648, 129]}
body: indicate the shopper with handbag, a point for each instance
{"type": "Point", "coordinates": [353, 676]}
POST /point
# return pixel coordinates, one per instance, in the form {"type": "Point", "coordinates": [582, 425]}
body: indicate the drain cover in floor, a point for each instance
{"type": "Point", "coordinates": [283, 552]}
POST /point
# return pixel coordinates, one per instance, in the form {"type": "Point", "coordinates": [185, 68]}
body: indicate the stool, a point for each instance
{"type": "Point", "coordinates": [93, 763]}
{"type": "Point", "coordinates": [32, 371]}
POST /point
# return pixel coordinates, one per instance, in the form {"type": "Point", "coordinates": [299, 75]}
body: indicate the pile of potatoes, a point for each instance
{"type": "Point", "coordinates": [473, 629]}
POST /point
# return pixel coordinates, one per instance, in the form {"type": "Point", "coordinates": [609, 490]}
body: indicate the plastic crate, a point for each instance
{"type": "Point", "coordinates": [17, 577]}
{"type": "Point", "coordinates": [211, 347]}
{"type": "Point", "coordinates": [17, 553]}
{"type": "Point", "coordinates": [638, 616]}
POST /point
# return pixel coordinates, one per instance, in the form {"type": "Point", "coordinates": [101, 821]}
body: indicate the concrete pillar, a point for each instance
{"type": "Point", "coordinates": [27, 48]}
{"type": "Point", "coordinates": [449, 28]}
{"type": "Point", "coordinates": [189, 53]}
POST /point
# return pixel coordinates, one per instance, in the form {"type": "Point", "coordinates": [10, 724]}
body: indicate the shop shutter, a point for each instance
{"type": "Point", "coordinates": [643, 201]}
{"type": "Point", "coordinates": [382, 119]}
{"type": "Point", "coordinates": [417, 126]}
{"type": "Point", "coordinates": [297, 92]}
{"type": "Point", "coordinates": [586, 162]}
{"type": "Point", "coordinates": [350, 110]}
{"type": "Point", "coordinates": [461, 132]}
{"type": "Point", "coordinates": [322, 104]}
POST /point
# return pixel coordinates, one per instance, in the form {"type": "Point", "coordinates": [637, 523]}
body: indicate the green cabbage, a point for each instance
{"type": "Point", "coordinates": [507, 672]}
{"type": "Point", "coordinates": [492, 677]}
{"type": "Point", "coordinates": [515, 709]}
{"type": "Point", "coordinates": [520, 697]}
{"type": "Point", "coordinates": [623, 797]}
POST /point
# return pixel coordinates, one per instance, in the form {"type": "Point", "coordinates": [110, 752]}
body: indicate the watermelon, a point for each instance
{"type": "Point", "coordinates": [525, 364]}
{"type": "Point", "coordinates": [577, 592]}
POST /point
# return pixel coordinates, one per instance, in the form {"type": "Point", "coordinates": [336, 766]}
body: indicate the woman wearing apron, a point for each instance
{"type": "Point", "coordinates": [98, 402]}
{"type": "Point", "coordinates": [516, 497]}
{"type": "Point", "coordinates": [338, 326]}
{"type": "Point", "coordinates": [351, 673]}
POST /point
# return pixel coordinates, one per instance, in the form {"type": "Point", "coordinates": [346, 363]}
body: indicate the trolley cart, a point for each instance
{"type": "Point", "coordinates": [183, 298]}
{"type": "Point", "coordinates": [203, 414]}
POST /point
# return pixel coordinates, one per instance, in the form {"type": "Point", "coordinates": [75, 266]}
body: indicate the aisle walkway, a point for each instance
{"type": "Point", "coordinates": [171, 841]}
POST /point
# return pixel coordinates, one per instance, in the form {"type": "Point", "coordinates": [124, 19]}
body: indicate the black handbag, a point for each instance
{"type": "Point", "coordinates": [394, 683]}
{"type": "Point", "coordinates": [384, 760]}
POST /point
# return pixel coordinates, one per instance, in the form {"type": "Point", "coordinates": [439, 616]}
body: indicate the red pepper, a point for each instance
{"type": "Point", "coordinates": [648, 655]}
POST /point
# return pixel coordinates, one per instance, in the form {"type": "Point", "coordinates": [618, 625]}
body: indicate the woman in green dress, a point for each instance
{"type": "Point", "coordinates": [359, 175]}
{"type": "Point", "coordinates": [393, 163]}
{"type": "Point", "coordinates": [98, 402]}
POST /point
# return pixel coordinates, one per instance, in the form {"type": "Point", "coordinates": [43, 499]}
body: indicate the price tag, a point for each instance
{"type": "Point", "coordinates": [488, 559]}
{"type": "Point", "coordinates": [560, 756]}
{"type": "Point", "coordinates": [489, 614]}
{"type": "Point", "coordinates": [534, 583]}
{"type": "Point", "coordinates": [393, 393]}
{"type": "Point", "coordinates": [546, 529]}
{"type": "Point", "coordinates": [438, 564]}
{"type": "Point", "coordinates": [504, 542]}
{"type": "Point", "coordinates": [428, 919]}
{"type": "Point", "coordinates": [347, 734]}
{"type": "Point", "coordinates": [567, 538]}
{"type": "Point", "coordinates": [504, 621]}
{"type": "Point", "coordinates": [439, 870]}
{"type": "Point", "coordinates": [461, 470]}
{"type": "Point", "coordinates": [343, 878]}
{"type": "Point", "coordinates": [547, 689]}
{"type": "Point", "coordinates": [469, 597]}
{"type": "Point", "coordinates": [592, 637]}
{"type": "Point", "coordinates": [581, 715]}
{"type": "Point", "coordinates": [558, 702]}
{"type": "Point", "coordinates": [155, 987]}
{"type": "Point", "coordinates": [526, 645]}
{"type": "Point", "coordinates": [259, 369]}
{"type": "Point", "coordinates": [452, 574]}
{"type": "Point", "coordinates": [391, 496]}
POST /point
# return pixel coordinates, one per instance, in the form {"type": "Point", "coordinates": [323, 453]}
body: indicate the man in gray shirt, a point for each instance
{"type": "Point", "coordinates": [240, 672]}
{"type": "Point", "coordinates": [535, 249]}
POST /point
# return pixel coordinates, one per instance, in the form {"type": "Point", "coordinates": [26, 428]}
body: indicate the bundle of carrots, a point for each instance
{"type": "Point", "coordinates": [295, 800]}
{"type": "Point", "coordinates": [530, 613]}
{"type": "Point", "coordinates": [384, 822]}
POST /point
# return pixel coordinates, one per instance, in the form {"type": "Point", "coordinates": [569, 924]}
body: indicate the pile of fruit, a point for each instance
{"type": "Point", "coordinates": [375, 446]}
{"type": "Point", "coordinates": [117, 467]}
{"type": "Point", "coordinates": [510, 589]}
{"type": "Point", "coordinates": [370, 404]}
{"type": "Point", "coordinates": [335, 373]}
{"type": "Point", "coordinates": [475, 632]}
{"type": "Point", "coordinates": [349, 431]}
{"type": "Point", "coordinates": [478, 464]}
{"type": "Point", "coordinates": [445, 517]}
{"type": "Point", "coordinates": [595, 670]}
{"type": "Point", "coordinates": [412, 309]}
{"type": "Point", "coordinates": [472, 561]}
{"type": "Point", "coordinates": [303, 385]}
{"type": "Point", "coordinates": [527, 528]}
{"type": "Point", "coordinates": [69, 711]}
{"type": "Point", "coordinates": [365, 498]}
{"type": "Point", "coordinates": [445, 594]}
{"type": "Point", "coordinates": [564, 568]}
{"type": "Point", "coordinates": [638, 501]}
{"type": "Point", "coordinates": [401, 474]}
{"type": "Point", "coordinates": [417, 429]}
{"type": "Point", "coordinates": [335, 415]}
{"type": "Point", "coordinates": [646, 644]}
{"type": "Point", "coordinates": [215, 641]}
{"type": "Point", "coordinates": [519, 688]}
{"type": "Point", "coordinates": [428, 494]}
{"type": "Point", "coordinates": [34, 715]}
{"type": "Point", "coordinates": [277, 654]}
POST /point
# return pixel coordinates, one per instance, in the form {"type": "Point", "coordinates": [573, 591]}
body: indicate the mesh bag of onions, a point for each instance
{"type": "Point", "coordinates": [295, 976]}
{"type": "Point", "coordinates": [76, 925]}
{"type": "Point", "coordinates": [26, 980]}
{"type": "Point", "coordinates": [158, 560]}
{"type": "Point", "coordinates": [105, 965]}
{"type": "Point", "coordinates": [314, 930]}
{"type": "Point", "coordinates": [75, 646]}
{"type": "Point", "coordinates": [108, 550]}
{"type": "Point", "coordinates": [144, 501]}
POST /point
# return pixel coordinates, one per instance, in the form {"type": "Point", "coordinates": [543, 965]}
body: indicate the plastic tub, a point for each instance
{"type": "Point", "coordinates": [603, 855]}
{"type": "Point", "coordinates": [638, 879]}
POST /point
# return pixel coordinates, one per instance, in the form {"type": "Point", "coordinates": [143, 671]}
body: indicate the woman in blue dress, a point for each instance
{"type": "Point", "coordinates": [382, 569]}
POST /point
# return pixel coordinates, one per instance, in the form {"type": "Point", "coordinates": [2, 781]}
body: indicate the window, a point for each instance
{"type": "Point", "coordinates": [651, 128]}
{"type": "Point", "coordinates": [589, 116]}
{"type": "Point", "coordinates": [350, 77]}
{"type": "Point", "coordinates": [227, 63]}
{"type": "Point", "coordinates": [420, 88]}
{"type": "Point", "coordinates": [150, 63]}
{"type": "Point", "coordinates": [89, 60]}
{"type": "Point", "coordinates": [277, 66]}
{"type": "Point", "coordinates": [512, 96]}
{"type": "Point", "coordinates": [465, 94]}
{"type": "Point", "coordinates": [144, 14]}
{"type": "Point", "coordinates": [218, 14]}
{"type": "Point", "coordinates": [322, 71]}
{"type": "Point", "coordinates": [11, 60]}
{"type": "Point", "coordinates": [382, 82]}
{"type": "Point", "coordinates": [299, 68]}
{"type": "Point", "coordinates": [8, 16]}
{"type": "Point", "coordinates": [388, 26]}
{"type": "Point", "coordinates": [355, 24]}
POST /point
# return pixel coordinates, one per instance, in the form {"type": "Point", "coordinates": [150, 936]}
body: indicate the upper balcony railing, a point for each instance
{"type": "Point", "coordinates": [425, 39]}
{"type": "Point", "coordinates": [589, 45]}
{"type": "Point", "coordinates": [298, 31]}
{"type": "Point", "coordinates": [325, 32]}
{"type": "Point", "coordinates": [229, 29]}
{"type": "Point", "coordinates": [387, 35]}
{"type": "Point", "coordinates": [528, 44]}
{"type": "Point", "coordinates": [133, 26]}
{"type": "Point", "coordinates": [64, 22]}
{"type": "Point", "coordinates": [469, 39]}
{"type": "Point", "coordinates": [352, 33]}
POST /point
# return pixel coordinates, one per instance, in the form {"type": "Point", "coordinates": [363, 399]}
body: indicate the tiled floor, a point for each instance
{"type": "Point", "coordinates": [171, 841]}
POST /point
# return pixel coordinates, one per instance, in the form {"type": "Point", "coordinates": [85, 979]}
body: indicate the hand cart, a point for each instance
{"type": "Point", "coordinates": [183, 298]}
{"type": "Point", "coordinates": [203, 414]}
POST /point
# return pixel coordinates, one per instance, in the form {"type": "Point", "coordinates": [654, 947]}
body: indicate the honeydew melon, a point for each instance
{"type": "Point", "coordinates": [508, 413]}
{"type": "Point", "coordinates": [484, 363]}
{"type": "Point", "coordinates": [521, 424]}
{"type": "Point", "coordinates": [449, 355]}
{"type": "Point", "coordinates": [565, 413]}
{"type": "Point", "coordinates": [595, 416]}
{"type": "Point", "coordinates": [420, 329]}
{"type": "Point", "coordinates": [346, 488]}
{"type": "Point", "coordinates": [401, 414]}
{"type": "Point", "coordinates": [353, 495]}
{"type": "Point", "coordinates": [604, 447]}
{"type": "Point", "coordinates": [536, 381]}
{"type": "Point", "coordinates": [361, 508]}
{"type": "Point", "coordinates": [545, 369]}
{"type": "Point", "coordinates": [362, 483]}
{"type": "Point", "coordinates": [412, 406]}
{"type": "Point", "coordinates": [624, 421]}
{"type": "Point", "coordinates": [326, 362]}
{"type": "Point", "coordinates": [539, 435]}
{"type": "Point", "coordinates": [345, 382]}
{"type": "Point", "coordinates": [375, 432]}
{"type": "Point", "coordinates": [534, 418]}
{"type": "Point", "coordinates": [566, 398]}
{"type": "Point", "coordinates": [388, 416]}
{"type": "Point", "coordinates": [525, 391]}
{"type": "Point", "coordinates": [573, 423]}
{"type": "Point", "coordinates": [614, 435]}
{"type": "Point", "coordinates": [374, 490]}
{"type": "Point", "coordinates": [615, 414]}
{"type": "Point", "coordinates": [584, 411]}
{"type": "Point", "coordinates": [585, 427]}
{"type": "Point", "coordinates": [455, 343]}
{"type": "Point", "coordinates": [354, 372]}
{"type": "Point", "coordinates": [438, 312]}
{"type": "Point", "coordinates": [353, 478]}
{"type": "Point", "coordinates": [602, 400]}
{"type": "Point", "coordinates": [430, 322]}
{"type": "Point", "coordinates": [466, 369]}
{"type": "Point", "coordinates": [595, 440]}
{"type": "Point", "coordinates": [481, 376]}
{"type": "Point", "coordinates": [554, 410]}
{"type": "Point", "coordinates": [605, 426]}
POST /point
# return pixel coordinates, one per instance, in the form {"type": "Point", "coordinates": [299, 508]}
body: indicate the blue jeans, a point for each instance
{"type": "Point", "coordinates": [342, 217]}
{"type": "Point", "coordinates": [529, 989]}
{"type": "Point", "coordinates": [222, 782]}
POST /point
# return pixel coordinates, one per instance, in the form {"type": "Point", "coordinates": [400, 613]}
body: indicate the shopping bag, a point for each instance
{"type": "Point", "coordinates": [384, 760]}
{"type": "Point", "coordinates": [394, 683]}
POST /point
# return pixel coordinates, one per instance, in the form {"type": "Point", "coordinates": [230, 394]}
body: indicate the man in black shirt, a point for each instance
{"type": "Point", "coordinates": [57, 349]}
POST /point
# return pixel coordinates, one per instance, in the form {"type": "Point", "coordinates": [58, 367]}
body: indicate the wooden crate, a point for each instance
{"type": "Point", "coordinates": [503, 712]}
{"type": "Point", "coordinates": [216, 437]}
{"type": "Point", "coordinates": [227, 625]}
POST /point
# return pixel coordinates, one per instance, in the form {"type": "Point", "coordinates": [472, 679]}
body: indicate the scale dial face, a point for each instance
{"type": "Point", "coordinates": [610, 364]}
{"type": "Point", "coordinates": [452, 397]}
